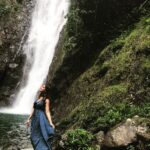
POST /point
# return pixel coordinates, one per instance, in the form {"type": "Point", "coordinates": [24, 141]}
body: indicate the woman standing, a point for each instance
{"type": "Point", "coordinates": [41, 121]}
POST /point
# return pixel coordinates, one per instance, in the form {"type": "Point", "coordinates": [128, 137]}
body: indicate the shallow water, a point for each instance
{"type": "Point", "coordinates": [9, 120]}
{"type": "Point", "coordinates": [13, 133]}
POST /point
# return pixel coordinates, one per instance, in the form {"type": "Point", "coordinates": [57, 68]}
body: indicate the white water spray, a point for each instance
{"type": "Point", "coordinates": [47, 22]}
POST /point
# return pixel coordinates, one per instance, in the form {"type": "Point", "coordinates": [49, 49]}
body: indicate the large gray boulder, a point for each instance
{"type": "Point", "coordinates": [128, 132]}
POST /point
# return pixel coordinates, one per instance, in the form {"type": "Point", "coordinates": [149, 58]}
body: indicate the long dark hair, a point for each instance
{"type": "Point", "coordinates": [43, 93]}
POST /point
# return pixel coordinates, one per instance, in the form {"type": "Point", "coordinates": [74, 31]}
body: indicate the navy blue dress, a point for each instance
{"type": "Point", "coordinates": [40, 127]}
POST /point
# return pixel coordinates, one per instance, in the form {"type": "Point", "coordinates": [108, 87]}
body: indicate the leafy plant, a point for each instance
{"type": "Point", "coordinates": [79, 139]}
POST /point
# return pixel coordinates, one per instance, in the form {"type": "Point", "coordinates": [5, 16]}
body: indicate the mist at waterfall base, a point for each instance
{"type": "Point", "coordinates": [48, 19]}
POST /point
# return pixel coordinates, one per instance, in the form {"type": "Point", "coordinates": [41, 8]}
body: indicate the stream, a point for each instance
{"type": "Point", "coordinates": [13, 133]}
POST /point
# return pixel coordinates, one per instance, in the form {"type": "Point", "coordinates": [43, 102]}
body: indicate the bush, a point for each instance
{"type": "Point", "coordinates": [79, 139]}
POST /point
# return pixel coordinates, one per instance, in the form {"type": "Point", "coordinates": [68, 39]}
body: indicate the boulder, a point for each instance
{"type": "Point", "coordinates": [100, 137]}
{"type": "Point", "coordinates": [128, 132]}
{"type": "Point", "coordinates": [63, 138]}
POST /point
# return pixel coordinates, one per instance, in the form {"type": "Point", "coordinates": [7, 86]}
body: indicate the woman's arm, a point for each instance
{"type": "Point", "coordinates": [31, 114]}
{"type": "Point", "coordinates": [47, 111]}
{"type": "Point", "coordinates": [29, 118]}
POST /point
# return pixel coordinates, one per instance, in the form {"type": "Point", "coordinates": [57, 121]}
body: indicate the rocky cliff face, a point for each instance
{"type": "Point", "coordinates": [100, 74]}
{"type": "Point", "coordinates": [14, 25]}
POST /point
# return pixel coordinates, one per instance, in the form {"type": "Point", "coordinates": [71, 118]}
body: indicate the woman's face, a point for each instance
{"type": "Point", "coordinates": [42, 88]}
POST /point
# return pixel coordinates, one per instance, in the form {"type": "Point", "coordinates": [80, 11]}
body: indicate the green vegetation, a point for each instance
{"type": "Point", "coordinates": [137, 147]}
{"type": "Point", "coordinates": [87, 33]}
{"type": "Point", "coordinates": [116, 86]}
{"type": "Point", "coordinates": [79, 139]}
{"type": "Point", "coordinates": [103, 77]}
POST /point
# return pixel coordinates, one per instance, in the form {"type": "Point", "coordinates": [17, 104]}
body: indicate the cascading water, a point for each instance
{"type": "Point", "coordinates": [47, 22]}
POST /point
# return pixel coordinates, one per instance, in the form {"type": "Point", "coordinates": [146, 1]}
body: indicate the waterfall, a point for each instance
{"type": "Point", "coordinates": [48, 19]}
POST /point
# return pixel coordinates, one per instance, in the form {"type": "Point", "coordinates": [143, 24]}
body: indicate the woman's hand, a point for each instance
{"type": "Point", "coordinates": [27, 123]}
{"type": "Point", "coordinates": [52, 125]}
{"type": "Point", "coordinates": [29, 118]}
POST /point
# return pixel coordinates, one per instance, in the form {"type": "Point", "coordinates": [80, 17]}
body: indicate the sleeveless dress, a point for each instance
{"type": "Point", "coordinates": [39, 123]}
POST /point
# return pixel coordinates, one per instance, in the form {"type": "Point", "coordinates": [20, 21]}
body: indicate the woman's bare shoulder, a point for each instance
{"type": "Point", "coordinates": [47, 100]}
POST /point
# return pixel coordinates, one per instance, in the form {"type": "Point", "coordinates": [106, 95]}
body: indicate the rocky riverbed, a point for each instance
{"type": "Point", "coordinates": [13, 133]}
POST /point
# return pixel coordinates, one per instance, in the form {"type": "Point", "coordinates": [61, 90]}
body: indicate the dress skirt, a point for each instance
{"type": "Point", "coordinates": [39, 135]}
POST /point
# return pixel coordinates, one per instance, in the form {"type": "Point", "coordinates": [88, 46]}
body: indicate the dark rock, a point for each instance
{"type": "Point", "coordinates": [12, 36]}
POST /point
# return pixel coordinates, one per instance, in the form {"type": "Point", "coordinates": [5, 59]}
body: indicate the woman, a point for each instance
{"type": "Point", "coordinates": [41, 120]}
